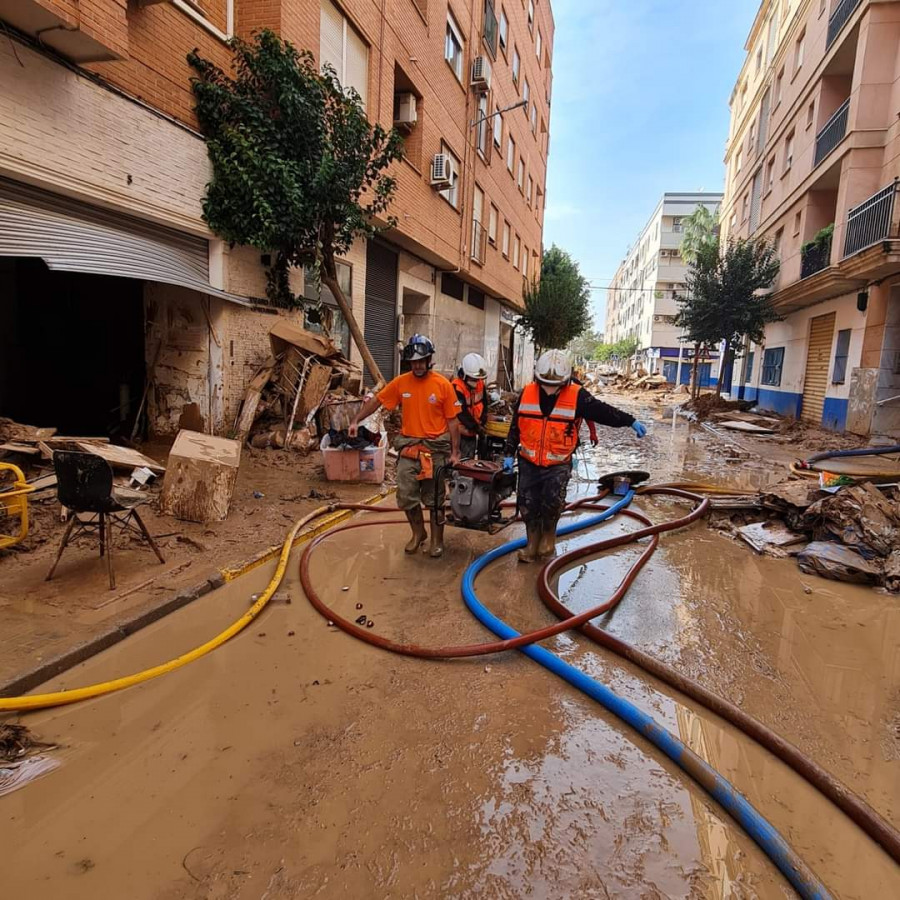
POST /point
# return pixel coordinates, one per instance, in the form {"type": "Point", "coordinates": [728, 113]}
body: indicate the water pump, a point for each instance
{"type": "Point", "coordinates": [477, 490]}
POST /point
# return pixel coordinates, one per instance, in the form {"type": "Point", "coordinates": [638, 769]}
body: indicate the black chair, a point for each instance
{"type": "Point", "coordinates": [85, 487]}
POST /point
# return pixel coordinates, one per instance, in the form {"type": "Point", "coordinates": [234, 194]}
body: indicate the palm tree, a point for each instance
{"type": "Point", "coordinates": [701, 229]}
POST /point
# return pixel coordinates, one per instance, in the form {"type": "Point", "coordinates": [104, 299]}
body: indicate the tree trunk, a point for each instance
{"type": "Point", "coordinates": [722, 367]}
{"type": "Point", "coordinates": [329, 278]}
{"type": "Point", "coordinates": [695, 371]}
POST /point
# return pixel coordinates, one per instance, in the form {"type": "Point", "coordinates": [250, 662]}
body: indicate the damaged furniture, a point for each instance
{"type": "Point", "coordinates": [85, 487]}
{"type": "Point", "coordinates": [14, 504]}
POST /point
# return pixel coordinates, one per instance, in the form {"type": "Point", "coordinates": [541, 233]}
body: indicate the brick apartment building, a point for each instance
{"type": "Point", "coordinates": [813, 160]}
{"type": "Point", "coordinates": [110, 274]}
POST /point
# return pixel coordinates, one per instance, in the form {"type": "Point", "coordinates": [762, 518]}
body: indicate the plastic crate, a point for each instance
{"type": "Point", "coordinates": [353, 465]}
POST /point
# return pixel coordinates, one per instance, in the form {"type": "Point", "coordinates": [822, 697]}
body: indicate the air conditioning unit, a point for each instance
{"type": "Point", "coordinates": [481, 73]}
{"type": "Point", "coordinates": [405, 115]}
{"type": "Point", "coordinates": [442, 171]}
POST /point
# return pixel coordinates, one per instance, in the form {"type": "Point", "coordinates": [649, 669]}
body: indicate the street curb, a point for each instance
{"type": "Point", "coordinates": [70, 658]}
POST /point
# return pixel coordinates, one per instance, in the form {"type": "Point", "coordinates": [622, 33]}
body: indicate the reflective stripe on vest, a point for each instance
{"type": "Point", "coordinates": [548, 440]}
{"type": "Point", "coordinates": [474, 400]}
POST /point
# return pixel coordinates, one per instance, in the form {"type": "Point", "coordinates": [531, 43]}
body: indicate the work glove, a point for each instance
{"type": "Point", "coordinates": [639, 429]}
{"type": "Point", "coordinates": [508, 463]}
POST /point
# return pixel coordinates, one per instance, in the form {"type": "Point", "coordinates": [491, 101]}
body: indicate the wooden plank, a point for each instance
{"type": "Point", "coordinates": [122, 457]}
{"type": "Point", "coordinates": [60, 439]}
{"type": "Point", "coordinates": [14, 447]}
{"type": "Point", "coordinates": [15, 431]}
{"type": "Point", "coordinates": [748, 427]}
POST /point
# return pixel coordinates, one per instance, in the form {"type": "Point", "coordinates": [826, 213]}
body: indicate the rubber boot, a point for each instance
{"type": "Point", "coordinates": [547, 543]}
{"type": "Point", "coordinates": [436, 547]}
{"type": "Point", "coordinates": [417, 524]}
{"type": "Point", "coordinates": [529, 553]}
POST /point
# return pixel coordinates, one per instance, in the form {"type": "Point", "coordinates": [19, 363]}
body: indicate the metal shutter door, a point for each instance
{"type": "Point", "coordinates": [821, 335]}
{"type": "Point", "coordinates": [381, 308]}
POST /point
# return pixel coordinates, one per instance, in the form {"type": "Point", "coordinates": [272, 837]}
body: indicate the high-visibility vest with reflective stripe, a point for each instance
{"type": "Point", "coordinates": [474, 401]}
{"type": "Point", "coordinates": [548, 440]}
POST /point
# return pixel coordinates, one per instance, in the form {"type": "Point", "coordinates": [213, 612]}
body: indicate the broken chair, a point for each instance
{"type": "Point", "coordinates": [85, 488]}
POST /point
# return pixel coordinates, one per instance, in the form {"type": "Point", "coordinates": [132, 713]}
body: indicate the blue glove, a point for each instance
{"type": "Point", "coordinates": [508, 463]}
{"type": "Point", "coordinates": [639, 429]}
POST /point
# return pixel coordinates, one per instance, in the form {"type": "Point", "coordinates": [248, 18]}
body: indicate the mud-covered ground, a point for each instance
{"type": "Point", "coordinates": [298, 762]}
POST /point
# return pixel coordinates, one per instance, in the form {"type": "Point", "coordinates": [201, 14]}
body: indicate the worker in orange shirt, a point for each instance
{"type": "Point", "coordinates": [428, 442]}
{"type": "Point", "coordinates": [469, 387]}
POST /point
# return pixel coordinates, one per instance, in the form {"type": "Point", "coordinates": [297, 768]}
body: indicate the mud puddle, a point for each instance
{"type": "Point", "coordinates": [298, 762]}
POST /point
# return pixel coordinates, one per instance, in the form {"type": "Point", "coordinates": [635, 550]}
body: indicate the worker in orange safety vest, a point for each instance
{"type": "Point", "coordinates": [469, 387]}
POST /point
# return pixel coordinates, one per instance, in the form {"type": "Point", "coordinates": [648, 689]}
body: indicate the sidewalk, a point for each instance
{"type": "Point", "coordinates": [47, 627]}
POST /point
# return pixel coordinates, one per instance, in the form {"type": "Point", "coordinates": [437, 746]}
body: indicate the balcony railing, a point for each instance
{"type": "Point", "coordinates": [815, 257]}
{"type": "Point", "coordinates": [839, 19]}
{"type": "Point", "coordinates": [871, 221]}
{"type": "Point", "coordinates": [833, 133]}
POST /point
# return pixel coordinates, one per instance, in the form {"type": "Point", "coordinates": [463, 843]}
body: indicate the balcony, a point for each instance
{"type": "Point", "coordinates": [839, 19]}
{"type": "Point", "coordinates": [871, 221]}
{"type": "Point", "coordinates": [833, 133]}
{"type": "Point", "coordinates": [815, 256]}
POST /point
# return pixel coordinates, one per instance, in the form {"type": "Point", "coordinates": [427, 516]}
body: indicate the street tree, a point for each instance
{"type": "Point", "coordinates": [623, 349]}
{"type": "Point", "coordinates": [298, 170]}
{"type": "Point", "coordinates": [700, 229]}
{"type": "Point", "coordinates": [585, 345]}
{"type": "Point", "coordinates": [726, 299]}
{"type": "Point", "coordinates": [557, 306]}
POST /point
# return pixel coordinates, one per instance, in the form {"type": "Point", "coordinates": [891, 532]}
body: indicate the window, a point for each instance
{"type": "Point", "coordinates": [773, 34]}
{"type": "Point", "coordinates": [759, 53]}
{"type": "Point", "coordinates": [493, 215]}
{"type": "Point", "coordinates": [797, 221]}
{"type": "Point", "coordinates": [478, 235]}
{"type": "Point", "coordinates": [776, 242]}
{"type": "Point", "coordinates": [538, 197]}
{"type": "Point", "coordinates": [841, 352]}
{"type": "Point", "coordinates": [524, 261]}
{"type": "Point", "coordinates": [539, 42]}
{"type": "Point", "coordinates": [498, 128]}
{"type": "Point", "coordinates": [533, 118]}
{"type": "Point", "coordinates": [745, 207]}
{"type": "Point", "coordinates": [453, 47]}
{"type": "Point", "coordinates": [516, 252]}
{"type": "Point", "coordinates": [529, 190]}
{"type": "Point", "coordinates": [676, 224]}
{"type": "Point", "coordinates": [779, 86]}
{"type": "Point", "coordinates": [475, 297]}
{"type": "Point", "coordinates": [748, 372]}
{"type": "Point", "coordinates": [770, 174]}
{"type": "Point", "coordinates": [452, 286]}
{"type": "Point", "coordinates": [342, 49]}
{"type": "Point", "coordinates": [489, 29]}
{"type": "Point", "coordinates": [451, 194]}
{"type": "Point", "coordinates": [530, 14]}
{"type": "Point", "coordinates": [520, 175]}
{"type": "Point", "coordinates": [773, 361]}
{"type": "Point", "coordinates": [788, 151]}
{"type": "Point", "coordinates": [510, 153]}
{"type": "Point", "coordinates": [526, 94]}
{"type": "Point", "coordinates": [751, 139]}
{"type": "Point", "coordinates": [503, 30]}
{"type": "Point", "coordinates": [798, 51]}
{"type": "Point", "coordinates": [516, 62]}
{"type": "Point", "coordinates": [320, 295]}
{"type": "Point", "coordinates": [739, 163]}
{"type": "Point", "coordinates": [732, 225]}
{"type": "Point", "coordinates": [483, 129]}
{"type": "Point", "coordinates": [810, 114]}
{"type": "Point", "coordinates": [505, 246]}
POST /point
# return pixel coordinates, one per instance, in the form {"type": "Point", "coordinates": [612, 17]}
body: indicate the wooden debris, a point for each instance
{"type": "Point", "coordinates": [121, 457]}
{"type": "Point", "coordinates": [202, 471]}
{"type": "Point", "coordinates": [15, 431]}
{"type": "Point", "coordinates": [770, 537]}
{"type": "Point", "coordinates": [247, 415]}
{"type": "Point", "coordinates": [747, 427]}
{"type": "Point", "coordinates": [15, 447]}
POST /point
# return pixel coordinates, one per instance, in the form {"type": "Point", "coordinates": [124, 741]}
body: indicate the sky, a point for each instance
{"type": "Point", "coordinates": [639, 107]}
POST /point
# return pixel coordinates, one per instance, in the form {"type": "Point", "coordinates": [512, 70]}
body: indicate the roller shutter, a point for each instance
{"type": "Point", "coordinates": [821, 336]}
{"type": "Point", "coordinates": [381, 308]}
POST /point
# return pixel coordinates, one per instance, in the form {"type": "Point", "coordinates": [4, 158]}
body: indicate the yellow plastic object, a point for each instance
{"type": "Point", "coordinates": [497, 429]}
{"type": "Point", "coordinates": [14, 504]}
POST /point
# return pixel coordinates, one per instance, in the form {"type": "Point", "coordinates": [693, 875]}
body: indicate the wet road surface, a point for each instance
{"type": "Point", "coordinates": [297, 762]}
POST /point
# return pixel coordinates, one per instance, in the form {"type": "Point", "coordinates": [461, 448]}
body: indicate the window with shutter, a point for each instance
{"type": "Point", "coordinates": [342, 49]}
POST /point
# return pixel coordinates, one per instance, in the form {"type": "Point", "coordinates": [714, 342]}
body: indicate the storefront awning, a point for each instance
{"type": "Point", "coordinates": [71, 236]}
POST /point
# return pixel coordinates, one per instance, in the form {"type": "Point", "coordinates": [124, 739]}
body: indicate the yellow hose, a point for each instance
{"type": "Point", "coordinates": [60, 698]}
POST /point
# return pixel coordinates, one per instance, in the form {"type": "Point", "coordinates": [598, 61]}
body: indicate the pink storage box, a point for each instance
{"type": "Point", "coordinates": [353, 465]}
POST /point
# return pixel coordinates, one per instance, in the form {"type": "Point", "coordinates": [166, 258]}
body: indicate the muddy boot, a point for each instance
{"type": "Point", "coordinates": [417, 523]}
{"type": "Point", "coordinates": [436, 547]}
{"type": "Point", "coordinates": [529, 553]}
{"type": "Point", "coordinates": [547, 543]}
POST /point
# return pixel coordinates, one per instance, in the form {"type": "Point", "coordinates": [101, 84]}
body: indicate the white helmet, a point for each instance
{"type": "Point", "coordinates": [474, 366]}
{"type": "Point", "coordinates": [553, 367]}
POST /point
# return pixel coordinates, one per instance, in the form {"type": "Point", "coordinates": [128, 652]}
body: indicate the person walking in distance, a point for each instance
{"type": "Point", "coordinates": [428, 439]}
{"type": "Point", "coordinates": [469, 387]}
{"type": "Point", "coordinates": [544, 430]}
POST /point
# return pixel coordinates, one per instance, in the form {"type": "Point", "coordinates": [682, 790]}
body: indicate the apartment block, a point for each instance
{"type": "Point", "coordinates": [641, 299]}
{"type": "Point", "coordinates": [813, 159]}
{"type": "Point", "coordinates": [102, 173]}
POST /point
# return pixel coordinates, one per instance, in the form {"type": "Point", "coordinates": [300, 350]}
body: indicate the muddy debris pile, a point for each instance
{"type": "Point", "coordinates": [304, 388]}
{"type": "Point", "coordinates": [851, 533]}
{"type": "Point", "coordinates": [20, 761]}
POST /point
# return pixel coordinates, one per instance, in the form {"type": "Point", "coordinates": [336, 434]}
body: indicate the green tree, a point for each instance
{"type": "Point", "coordinates": [557, 307]}
{"type": "Point", "coordinates": [619, 350]}
{"type": "Point", "coordinates": [298, 170]}
{"type": "Point", "coordinates": [585, 346]}
{"type": "Point", "coordinates": [726, 299]}
{"type": "Point", "coordinates": [700, 230]}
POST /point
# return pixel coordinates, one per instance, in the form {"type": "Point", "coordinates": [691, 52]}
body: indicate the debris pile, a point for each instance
{"type": "Point", "coordinates": [304, 389]}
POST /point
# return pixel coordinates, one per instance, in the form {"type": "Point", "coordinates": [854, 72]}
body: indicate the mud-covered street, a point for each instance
{"type": "Point", "coordinates": [298, 762]}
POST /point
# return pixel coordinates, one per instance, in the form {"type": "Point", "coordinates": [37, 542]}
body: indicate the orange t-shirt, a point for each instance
{"type": "Point", "coordinates": [427, 403]}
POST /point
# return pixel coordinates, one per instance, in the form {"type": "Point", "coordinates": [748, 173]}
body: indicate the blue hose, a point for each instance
{"type": "Point", "coordinates": [843, 454]}
{"type": "Point", "coordinates": [766, 836]}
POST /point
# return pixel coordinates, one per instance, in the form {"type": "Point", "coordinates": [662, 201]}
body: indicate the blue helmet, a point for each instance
{"type": "Point", "coordinates": [418, 347]}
